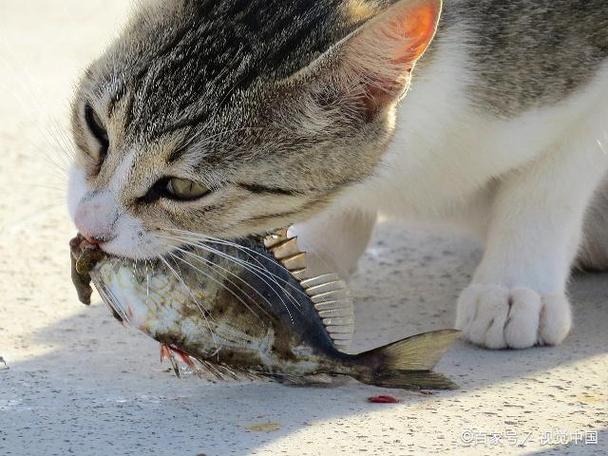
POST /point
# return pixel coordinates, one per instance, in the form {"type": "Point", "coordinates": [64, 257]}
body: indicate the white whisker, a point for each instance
{"type": "Point", "coordinates": [225, 277]}
{"type": "Point", "coordinates": [200, 307]}
{"type": "Point", "coordinates": [222, 285]}
{"type": "Point", "coordinates": [259, 272]}
{"type": "Point", "coordinates": [250, 252]}
{"type": "Point", "coordinates": [250, 267]}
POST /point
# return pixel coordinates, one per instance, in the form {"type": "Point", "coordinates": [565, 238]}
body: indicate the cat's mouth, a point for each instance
{"type": "Point", "coordinates": [80, 245]}
{"type": "Point", "coordinates": [86, 255]}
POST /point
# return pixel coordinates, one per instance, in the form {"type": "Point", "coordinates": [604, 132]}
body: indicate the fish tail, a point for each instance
{"type": "Point", "coordinates": [407, 363]}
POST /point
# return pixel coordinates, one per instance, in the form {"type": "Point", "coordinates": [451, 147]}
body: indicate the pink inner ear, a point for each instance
{"type": "Point", "coordinates": [379, 58]}
{"type": "Point", "coordinates": [417, 26]}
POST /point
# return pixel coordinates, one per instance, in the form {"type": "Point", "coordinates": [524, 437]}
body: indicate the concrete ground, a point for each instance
{"type": "Point", "coordinates": [78, 383]}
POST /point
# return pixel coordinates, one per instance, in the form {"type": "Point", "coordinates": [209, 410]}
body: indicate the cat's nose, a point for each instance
{"type": "Point", "coordinates": [95, 222]}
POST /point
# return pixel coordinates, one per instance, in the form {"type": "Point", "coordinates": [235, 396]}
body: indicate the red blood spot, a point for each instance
{"type": "Point", "coordinates": [383, 399]}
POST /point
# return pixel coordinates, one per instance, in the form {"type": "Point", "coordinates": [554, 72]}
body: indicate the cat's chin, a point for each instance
{"type": "Point", "coordinates": [140, 251]}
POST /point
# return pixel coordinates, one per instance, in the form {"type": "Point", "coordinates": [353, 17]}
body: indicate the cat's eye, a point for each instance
{"type": "Point", "coordinates": [176, 189]}
{"type": "Point", "coordinates": [186, 190]}
{"type": "Point", "coordinates": [97, 129]}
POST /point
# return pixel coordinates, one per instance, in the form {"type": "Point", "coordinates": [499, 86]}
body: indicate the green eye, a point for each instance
{"type": "Point", "coordinates": [186, 190]}
{"type": "Point", "coordinates": [176, 189]}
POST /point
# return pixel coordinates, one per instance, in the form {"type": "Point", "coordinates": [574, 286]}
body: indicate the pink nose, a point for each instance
{"type": "Point", "coordinates": [94, 222]}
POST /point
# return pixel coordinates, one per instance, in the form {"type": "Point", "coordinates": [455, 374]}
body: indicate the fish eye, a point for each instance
{"type": "Point", "coordinates": [176, 189]}
{"type": "Point", "coordinates": [97, 129]}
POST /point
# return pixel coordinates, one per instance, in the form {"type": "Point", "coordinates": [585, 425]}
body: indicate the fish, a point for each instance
{"type": "Point", "coordinates": [251, 308]}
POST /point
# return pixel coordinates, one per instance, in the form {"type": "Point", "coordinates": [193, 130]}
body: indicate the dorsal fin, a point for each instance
{"type": "Point", "coordinates": [328, 292]}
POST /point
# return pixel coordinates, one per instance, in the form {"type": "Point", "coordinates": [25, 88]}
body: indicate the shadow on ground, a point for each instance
{"type": "Point", "coordinates": [101, 387]}
{"type": "Point", "coordinates": [585, 444]}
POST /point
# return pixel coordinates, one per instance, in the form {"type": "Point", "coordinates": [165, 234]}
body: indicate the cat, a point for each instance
{"type": "Point", "coordinates": [222, 118]}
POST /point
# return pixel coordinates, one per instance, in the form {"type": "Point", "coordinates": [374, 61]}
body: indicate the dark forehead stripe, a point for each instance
{"type": "Point", "coordinates": [220, 48]}
{"type": "Point", "coordinates": [116, 97]}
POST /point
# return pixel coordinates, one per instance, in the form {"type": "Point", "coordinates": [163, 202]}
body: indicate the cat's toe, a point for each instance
{"type": "Point", "coordinates": [497, 317]}
{"type": "Point", "coordinates": [555, 320]}
{"type": "Point", "coordinates": [482, 315]}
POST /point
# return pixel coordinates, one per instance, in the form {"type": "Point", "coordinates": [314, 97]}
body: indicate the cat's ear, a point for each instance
{"type": "Point", "coordinates": [375, 62]}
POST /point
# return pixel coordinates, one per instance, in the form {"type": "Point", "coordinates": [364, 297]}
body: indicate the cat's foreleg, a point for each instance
{"type": "Point", "coordinates": [518, 295]}
{"type": "Point", "coordinates": [594, 252]}
{"type": "Point", "coordinates": [335, 240]}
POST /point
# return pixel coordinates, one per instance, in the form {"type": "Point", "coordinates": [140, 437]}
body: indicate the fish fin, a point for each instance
{"type": "Point", "coordinates": [276, 238]}
{"type": "Point", "coordinates": [316, 380]}
{"type": "Point", "coordinates": [212, 371]}
{"type": "Point", "coordinates": [408, 362]}
{"type": "Point", "coordinates": [334, 306]}
{"type": "Point", "coordinates": [417, 353]}
{"type": "Point", "coordinates": [414, 380]}
{"type": "Point", "coordinates": [328, 292]}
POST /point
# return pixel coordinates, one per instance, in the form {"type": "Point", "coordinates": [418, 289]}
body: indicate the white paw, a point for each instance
{"type": "Point", "coordinates": [497, 317]}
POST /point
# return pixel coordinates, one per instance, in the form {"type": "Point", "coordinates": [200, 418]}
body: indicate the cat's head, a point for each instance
{"type": "Point", "coordinates": [228, 117]}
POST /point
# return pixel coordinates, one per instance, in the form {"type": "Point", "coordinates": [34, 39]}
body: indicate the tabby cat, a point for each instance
{"type": "Point", "coordinates": [222, 118]}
